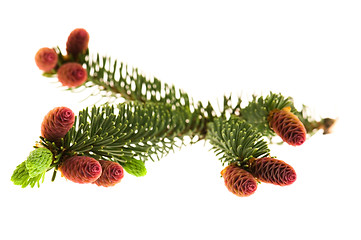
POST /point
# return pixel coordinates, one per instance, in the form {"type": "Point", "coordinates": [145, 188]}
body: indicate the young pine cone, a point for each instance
{"type": "Point", "coordinates": [239, 181]}
{"type": "Point", "coordinates": [57, 123]}
{"type": "Point", "coordinates": [287, 126]}
{"type": "Point", "coordinates": [72, 74]}
{"type": "Point", "coordinates": [81, 169]}
{"type": "Point", "coordinates": [77, 42]}
{"type": "Point", "coordinates": [46, 59]}
{"type": "Point", "coordinates": [112, 173]}
{"type": "Point", "coordinates": [273, 171]}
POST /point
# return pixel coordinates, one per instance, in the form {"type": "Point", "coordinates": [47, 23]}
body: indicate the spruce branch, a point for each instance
{"type": "Point", "coordinates": [115, 79]}
{"type": "Point", "coordinates": [154, 119]}
{"type": "Point", "coordinates": [129, 133]}
{"type": "Point", "coordinates": [236, 141]}
{"type": "Point", "coordinates": [120, 80]}
{"type": "Point", "coordinates": [128, 130]}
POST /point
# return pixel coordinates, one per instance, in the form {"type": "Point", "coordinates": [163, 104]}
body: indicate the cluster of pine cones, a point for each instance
{"type": "Point", "coordinates": [70, 72]}
{"type": "Point", "coordinates": [78, 169]}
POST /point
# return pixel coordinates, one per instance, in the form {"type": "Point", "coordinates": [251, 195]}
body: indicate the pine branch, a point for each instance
{"type": "Point", "coordinates": [116, 79]}
{"type": "Point", "coordinates": [129, 130]}
{"type": "Point", "coordinates": [155, 119]}
{"type": "Point", "coordinates": [234, 140]}
{"type": "Point", "coordinates": [129, 134]}
{"type": "Point", "coordinates": [258, 109]}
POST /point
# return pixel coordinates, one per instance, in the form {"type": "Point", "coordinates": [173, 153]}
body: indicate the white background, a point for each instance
{"type": "Point", "coordinates": [310, 50]}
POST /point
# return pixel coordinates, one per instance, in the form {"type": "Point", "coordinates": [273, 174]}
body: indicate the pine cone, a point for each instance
{"type": "Point", "coordinates": [112, 173]}
{"type": "Point", "coordinates": [81, 169]}
{"type": "Point", "coordinates": [72, 74]}
{"type": "Point", "coordinates": [287, 126]}
{"type": "Point", "coordinates": [57, 123]}
{"type": "Point", "coordinates": [239, 181]}
{"type": "Point", "coordinates": [46, 59]}
{"type": "Point", "coordinates": [273, 171]}
{"type": "Point", "coordinates": [77, 42]}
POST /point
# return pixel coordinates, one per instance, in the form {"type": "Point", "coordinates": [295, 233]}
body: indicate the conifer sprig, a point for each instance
{"type": "Point", "coordinates": [234, 140]}
{"type": "Point", "coordinates": [128, 130]}
{"type": "Point", "coordinates": [128, 133]}
{"type": "Point", "coordinates": [155, 119]}
{"type": "Point", "coordinates": [118, 80]}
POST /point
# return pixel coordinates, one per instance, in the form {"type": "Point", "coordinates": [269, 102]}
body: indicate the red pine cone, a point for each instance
{"type": "Point", "coordinates": [72, 74]}
{"type": "Point", "coordinates": [77, 42]}
{"type": "Point", "coordinates": [112, 173]}
{"type": "Point", "coordinates": [239, 181]}
{"type": "Point", "coordinates": [57, 123]}
{"type": "Point", "coordinates": [81, 169]}
{"type": "Point", "coordinates": [287, 126]}
{"type": "Point", "coordinates": [273, 171]}
{"type": "Point", "coordinates": [46, 59]}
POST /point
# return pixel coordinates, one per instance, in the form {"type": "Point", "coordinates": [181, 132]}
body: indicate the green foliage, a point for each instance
{"type": "Point", "coordinates": [134, 167]}
{"type": "Point", "coordinates": [38, 161]}
{"type": "Point", "coordinates": [129, 130]}
{"type": "Point", "coordinates": [120, 79]}
{"type": "Point", "coordinates": [235, 140]}
{"type": "Point", "coordinates": [21, 176]}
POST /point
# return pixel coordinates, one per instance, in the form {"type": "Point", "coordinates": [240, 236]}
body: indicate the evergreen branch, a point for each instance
{"type": "Point", "coordinates": [117, 79]}
{"type": "Point", "coordinates": [128, 130]}
{"type": "Point", "coordinates": [236, 141]}
{"type": "Point", "coordinates": [258, 109]}
{"type": "Point", "coordinates": [122, 80]}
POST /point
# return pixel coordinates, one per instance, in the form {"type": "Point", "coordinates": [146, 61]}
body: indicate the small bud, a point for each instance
{"type": "Point", "coordinates": [273, 171]}
{"type": "Point", "coordinates": [46, 59]}
{"type": "Point", "coordinates": [81, 169]}
{"type": "Point", "coordinates": [77, 42]}
{"type": "Point", "coordinates": [72, 74]}
{"type": "Point", "coordinates": [20, 175]}
{"type": "Point", "coordinates": [57, 123]}
{"type": "Point", "coordinates": [112, 173]}
{"type": "Point", "coordinates": [38, 161]}
{"type": "Point", "coordinates": [135, 167]}
{"type": "Point", "coordinates": [287, 126]}
{"type": "Point", "coordinates": [239, 181]}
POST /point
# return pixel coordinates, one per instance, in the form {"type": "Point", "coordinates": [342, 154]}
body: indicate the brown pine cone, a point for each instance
{"type": "Point", "coordinates": [46, 59]}
{"type": "Point", "coordinates": [57, 123]}
{"type": "Point", "coordinates": [287, 126]}
{"type": "Point", "coordinates": [81, 169]}
{"type": "Point", "coordinates": [273, 171]}
{"type": "Point", "coordinates": [112, 173]}
{"type": "Point", "coordinates": [72, 74]}
{"type": "Point", "coordinates": [239, 181]}
{"type": "Point", "coordinates": [77, 42]}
